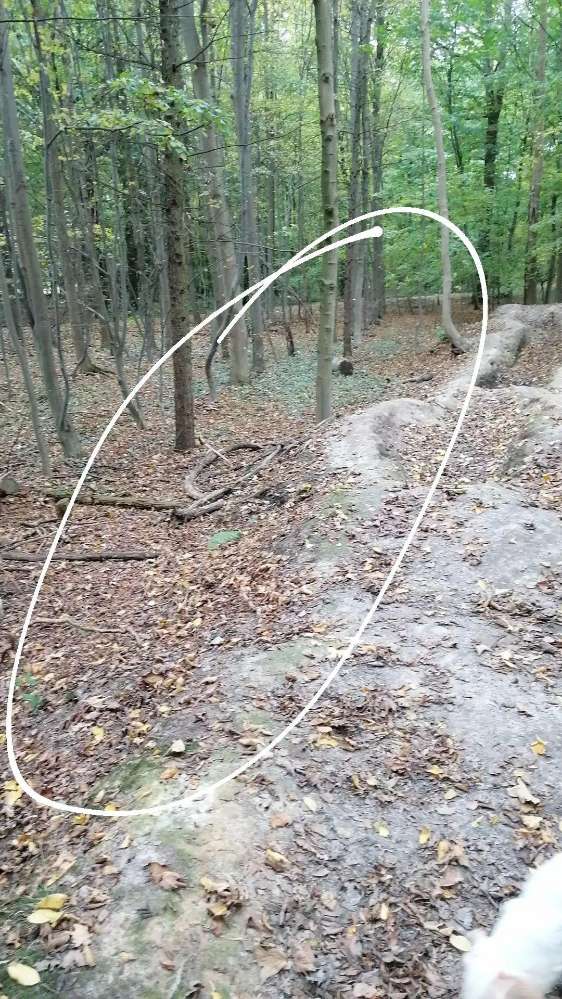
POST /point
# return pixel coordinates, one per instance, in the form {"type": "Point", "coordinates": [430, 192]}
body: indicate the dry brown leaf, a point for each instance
{"type": "Point", "coordinates": [280, 820]}
{"type": "Point", "coordinates": [271, 962]}
{"type": "Point", "coordinates": [80, 935]}
{"type": "Point", "coordinates": [522, 792]}
{"type": "Point", "coordinates": [303, 957]}
{"type": "Point", "coordinates": [165, 878]}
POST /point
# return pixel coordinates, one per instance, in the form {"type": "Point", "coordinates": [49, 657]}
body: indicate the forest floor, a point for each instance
{"type": "Point", "coordinates": [356, 858]}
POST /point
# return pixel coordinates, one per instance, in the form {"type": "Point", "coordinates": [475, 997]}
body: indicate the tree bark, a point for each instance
{"type": "Point", "coordinates": [174, 213]}
{"type": "Point", "coordinates": [217, 205]}
{"type": "Point", "coordinates": [28, 257]}
{"type": "Point", "coordinates": [329, 278]}
{"type": "Point", "coordinates": [446, 316]}
{"type": "Point", "coordinates": [242, 23]}
{"type": "Point", "coordinates": [353, 294]}
{"type": "Point", "coordinates": [533, 214]}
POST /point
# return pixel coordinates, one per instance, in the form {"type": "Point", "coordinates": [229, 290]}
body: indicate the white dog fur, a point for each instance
{"type": "Point", "coordinates": [522, 957]}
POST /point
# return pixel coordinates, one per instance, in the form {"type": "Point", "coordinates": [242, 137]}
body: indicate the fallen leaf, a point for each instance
{"type": "Point", "coordinates": [460, 943]}
{"type": "Point", "coordinates": [280, 820]}
{"type": "Point", "coordinates": [303, 957]}
{"type": "Point", "coordinates": [522, 792]}
{"type": "Point", "coordinates": [55, 902]}
{"type": "Point", "coordinates": [41, 916]}
{"type": "Point", "coordinates": [80, 935]}
{"type": "Point", "coordinates": [384, 912]}
{"type": "Point", "coordinates": [326, 742]}
{"type": "Point", "coordinates": [177, 747]}
{"type": "Point", "coordinates": [531, 821]}
{"type": "Point", "coordinates": [165, 878]}
{"type": "Point", "coordinates": [311, 804]}
{"type": "Point", "coordinates": [23, 974]}
{"type": "Point", "coordinates": [13, 792]}
{"type": "Point", "coordinates": [170, 773]}
{"type": "Point", "coordinates": [98, 733]}
{"type": "Point", "coordinates": [271, 961]}
{"type": "Point", "coordinates": [276, 860]}
{"type": "Point", "coordinates": [538, 747]}
{"type": "Point", "coordinates": [382, 829]}
{"type": "Point", "coordinates": [424, 836]}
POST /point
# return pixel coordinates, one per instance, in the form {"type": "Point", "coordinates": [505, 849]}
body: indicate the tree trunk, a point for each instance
{"type": "Point", "coordinates": [217, 205]}
{"type": "Point", "coordinates": [55, 190]}
{"type": "Point", "coordinates": [377, 143]}
{"type": "Point", "coordinates": [242, 22]}
{"type": "Point", "coordinates": [531, 263]}
{"type": "Point", "coordinates": [446, 316]}
{"type": "Point", "coordinates": [174, 215]}
{"type": "Point", "coordinates": [353, 294]}
{"type": "Point", "coordinates": [21, 353]}
{"type": "Point", "coordinates": [329, 278]}
{"type": "Point", "coordinates": [28, 258]}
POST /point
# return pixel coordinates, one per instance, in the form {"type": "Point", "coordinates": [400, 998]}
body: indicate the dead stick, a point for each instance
{"type": "Point", "coordinates": [116, 556]}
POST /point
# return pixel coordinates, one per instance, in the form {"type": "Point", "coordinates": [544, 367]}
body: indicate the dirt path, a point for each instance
{"type": "Point", "coordinates": [355, 860]}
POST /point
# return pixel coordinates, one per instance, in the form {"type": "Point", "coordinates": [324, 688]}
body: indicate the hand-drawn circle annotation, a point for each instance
{"type": "Point", "coordinates": [303, 256]}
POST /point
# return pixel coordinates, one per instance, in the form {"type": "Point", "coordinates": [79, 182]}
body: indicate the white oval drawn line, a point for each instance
{"type": "Point", "coordinates": [303, 256]}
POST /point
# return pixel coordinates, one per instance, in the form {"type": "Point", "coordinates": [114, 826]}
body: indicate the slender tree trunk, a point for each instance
{"type": "Point", "coordinates": [353, 293]}
{"type": "Point", "coordinates": [175, 237]}
{"type": "Point", "coordinates": [217, 205]}
{"type": "Point", "coordinates": [242, 22]}
{"type": "Point", "coordinates": [54, 171]}
{"type": "Point", "coordinates": [28, 258]}
{"type": "Point", "coordinates": [533, 214]}
{"type": "Point", "coordinates": [377, 144]}
{"type": "Point", "coordinates": [446, 315]}
{"type": "Point", "coordinates": [21, 353]}
{"type": "Point", "coordinates": [329, 278]}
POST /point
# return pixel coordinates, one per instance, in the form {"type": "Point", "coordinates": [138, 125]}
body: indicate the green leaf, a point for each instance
{"type": "Point", "coordinates": [223, 538]}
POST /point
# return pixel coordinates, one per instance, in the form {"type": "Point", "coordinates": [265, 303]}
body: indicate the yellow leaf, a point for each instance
{"type": "Point", "coordinates": [110, 807]}
{"type": "Point", "coordinates": [23, 974]}
{"type": "Point", "coordinates": [13, 792]}
{"type": "Point", "coordinates": [41, 916]}
{"type": "Point", "coordinates": [327, 742]}
{"type": "Point", "coordinates": [538, 747]}
{"type": "Point", "coordinates": [443, 848]}
{"type": "Point", "coordinates": [276, 860]}
{"type": "Point", "coordinates": [382, 829]}
{"type": "Point", "coordinates": [460, 943]}
{"type": "Point", "coordinates": [80, 820]}
{"type": "Point", "coordinates": [55, 902]}
{"type": "Point", "coordinates": [435, 771]}
{"type": "Point", "coordinates": [98, 733]}
{"type": "Point", "coordinates": [424, 836]}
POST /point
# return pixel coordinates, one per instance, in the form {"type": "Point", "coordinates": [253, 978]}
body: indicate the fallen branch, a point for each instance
{"type": "Point", "coordinates": [66, 619]}
{"type": "Point", "coordinates": [104, 556]}
{"type": "Point", "coordinates": [86, 498]}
